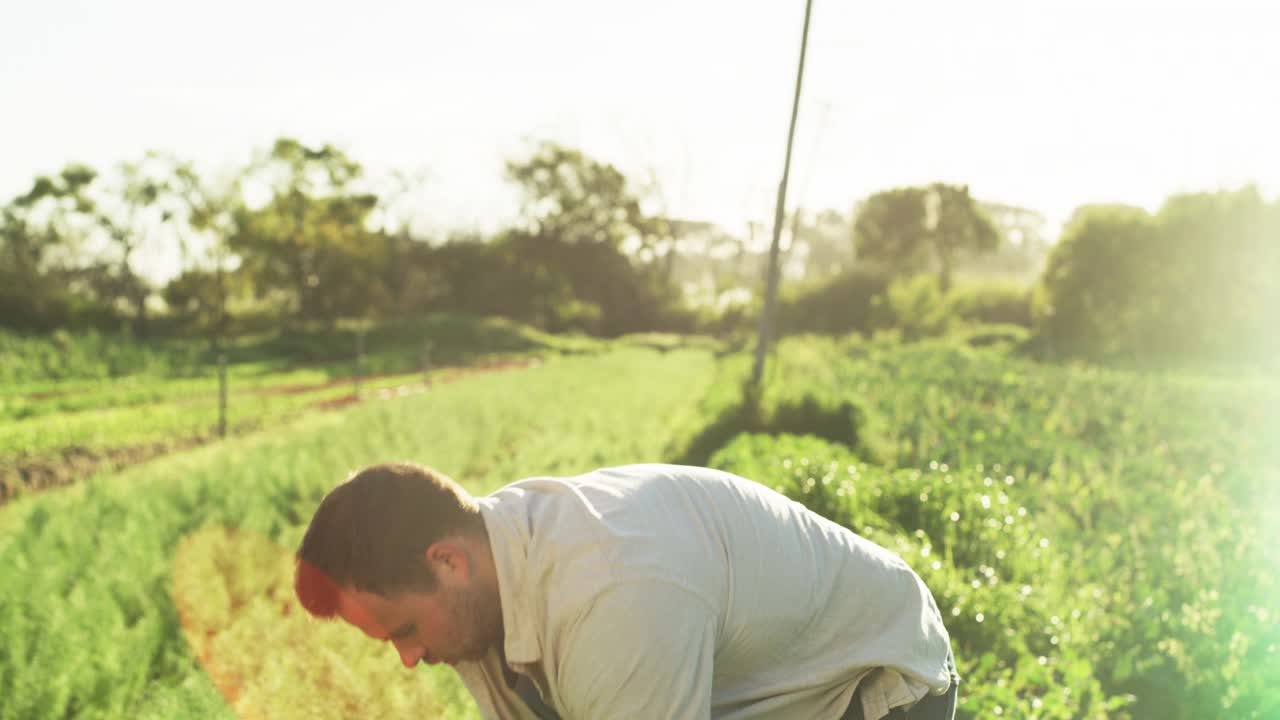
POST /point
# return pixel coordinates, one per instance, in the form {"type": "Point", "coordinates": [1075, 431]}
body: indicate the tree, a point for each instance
{"type": "Point", "coordinates": [39, 240]}
{"type": "Point", "coordinates": [203, 291]}
{"type": "Point", "coordinates": [579, 201]}
{"type": "Point", "coordinates": [909, 230]}
{"type": "Point", "coordinates": [1023, 249]}
{"type": "Point", "coordinates": [1096, 282]}
{"type": "Point", "coordinates": [827, 248]}
{"type": "Point", "coordinates": [405, 251]}
{"type": "Point", "coordinates": [137, 210]}
{"type": "Point", "coordinates": [1198, 281]}
{"type": "Point", "coordinates": [40, 224]}
{"type": "Point", "coordinates": [1217, 275]}
{"type": "Point", "coordinates": [96, 230]}
{"type": "Point", "coordinates": [309, 242]}
{"type": "Point", "coordinates": [889, 229]}
{"type": "Point", "coordinates": [584, 222]}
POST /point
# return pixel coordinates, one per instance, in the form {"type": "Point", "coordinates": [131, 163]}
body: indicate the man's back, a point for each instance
{"type": "Point", "coordinates": [673, 591]}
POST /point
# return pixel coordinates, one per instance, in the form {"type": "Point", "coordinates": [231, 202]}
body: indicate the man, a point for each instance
{"type": "Point", "coordinates": [646, 591]}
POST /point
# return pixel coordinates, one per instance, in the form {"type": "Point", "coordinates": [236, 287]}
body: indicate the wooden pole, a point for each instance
{"type": "Point", "coordinates": [222, 394]}
{"type": "Point", "coordinates": [771, 283]}
{"type": "Point", "coordinates": [426, 362]}
{"type": "Point", "coordinates": [359, 360]}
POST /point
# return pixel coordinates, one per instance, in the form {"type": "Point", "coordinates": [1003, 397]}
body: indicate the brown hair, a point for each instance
{"type": "Point", "coordinates": [371, 531]}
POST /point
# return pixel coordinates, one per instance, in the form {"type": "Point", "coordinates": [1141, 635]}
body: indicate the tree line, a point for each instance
{"type": "Point", "coordinates": [297, 237]}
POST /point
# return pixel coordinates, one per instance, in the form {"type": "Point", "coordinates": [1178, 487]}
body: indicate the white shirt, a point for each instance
{"type": "Point", "coordinates": [664, 591]}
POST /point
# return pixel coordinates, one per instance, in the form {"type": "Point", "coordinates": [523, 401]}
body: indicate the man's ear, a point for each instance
{"type": "Point", "coordinates": [449, 560]}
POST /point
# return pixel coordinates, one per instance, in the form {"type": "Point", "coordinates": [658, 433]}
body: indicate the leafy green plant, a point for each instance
{"type": "Point", "coordinates": [91, 567]}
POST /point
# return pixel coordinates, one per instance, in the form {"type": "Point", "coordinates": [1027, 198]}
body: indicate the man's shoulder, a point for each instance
{"type": "Point", "coordinates": [634, 472]}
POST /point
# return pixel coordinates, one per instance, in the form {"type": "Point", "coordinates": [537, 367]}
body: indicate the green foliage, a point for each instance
{"type": "Point", "coordinates": [591, 242]}
{"type": "Point", "coordinates": [889, 228]}
{"type": "Point", "coordinates": [863, 300]}
{"type": "Point", "coordinates": [38, 254]}
{"type": "Point", "coordinates": [30, 363]}
{"type": "Point", "coordinates": [1018, 622]}
{"type": "Point", "coordinates": [909, 230]}
{"type": "Point", "coordinates": [825, 238]}
{"type": "Point", "coordinates": [1156, 491]}
{"type": "Point", "coordinates": [310, 240]}
{"type": "Point", "coordinates": [197, 298]}
{"type": "Point", "coordinates": [49, 310]}
{"type": "Point", "coordinates": [838, 305]}
{"type": "Point", "coordinates": [992, 302]}
{"type": "Point", "coordinates": [1097, 281]}
{"type": "Point", "coordinates": [64, 355]}
{"type": "Point", "coordinates": [92, 567]}
{"type": "Point", "coordinates": [991, 335]}
{"type": "Point", "coordinates": [1111, 534]}
{"type": "Point", "coordinates": [60, 432]}
{"type": "Point", "coordinates": [796, 399]}
{"type": "Point", "coordinates": [915, 306]}
{"type": "Point", "coordinates": [1196, 282]}
{"type": "Point", "coordinates": [580, 201]}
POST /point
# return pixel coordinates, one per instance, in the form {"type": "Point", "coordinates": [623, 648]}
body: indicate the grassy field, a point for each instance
{"type": "Point", "coordinates": [39, 364]}
{"type": "Point", "coordinates": [92, 579]}
{"type": "Point", "coordinates": [1102, 542]}
{"type": "Point", "coordinates": [1105, 542]}
{"type": "Point", "coordinates": [76, 406]}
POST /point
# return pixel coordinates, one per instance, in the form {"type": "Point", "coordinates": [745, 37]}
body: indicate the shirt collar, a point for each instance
{"type": "Point", "coordinates": [506, 519]}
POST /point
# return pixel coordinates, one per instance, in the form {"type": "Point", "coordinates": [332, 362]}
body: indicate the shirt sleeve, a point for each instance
{"type": "Point", "coordinates": [642, 650]}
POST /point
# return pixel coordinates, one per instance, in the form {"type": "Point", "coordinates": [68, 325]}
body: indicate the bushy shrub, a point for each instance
{"type": "Point", "coordinates": [992, 302]}
{"type": "Point", "coordinates": [1002, 588]}
{"type": "Point", "coordinates": [1198, 281]}
{"type": "Point", "coordinates": [843, 304]}
{"type": "Point", "coordinates": [989, 335]}
{"type": "Point", "coordinates": [916, 306]}
{"type": "Point", "coordinates": [50, 311]}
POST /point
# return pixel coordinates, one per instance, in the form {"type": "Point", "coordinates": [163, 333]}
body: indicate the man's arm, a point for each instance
{"type": "Point", "coordinates": [642, 650]}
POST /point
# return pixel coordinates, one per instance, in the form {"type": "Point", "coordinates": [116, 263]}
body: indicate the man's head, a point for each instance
{"type": "Point", "coordinates": [400, 551]}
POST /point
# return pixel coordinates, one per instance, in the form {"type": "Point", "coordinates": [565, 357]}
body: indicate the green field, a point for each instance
{"type": "Point", "coordinates": [1103, 543]}
{"type": "Point", "coordinates": [71, 407]}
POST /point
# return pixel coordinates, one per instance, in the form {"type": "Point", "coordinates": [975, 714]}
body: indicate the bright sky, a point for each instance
{"type": "Point", "coordinates": [1046, 104]}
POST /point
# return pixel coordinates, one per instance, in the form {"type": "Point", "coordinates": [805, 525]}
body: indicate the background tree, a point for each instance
{"type": "Point", "coordinates": [1023, 249]}
{"type": "Point", "coordinates": [582, 221]}
{"type": "Point", "coordinates": [825, 240]}
{"type": "Point", "coordinates": [202, 293]}
{"type": "Point", "coordinates": [138, 211]}
{"type": "Point", "coordinates": [910, 230]}
{"type": "Point", "coordinates": [308, 245]}
{"type": "Point", "coordinates": [889, 228]}
{"type": "Point", "coordinates": [42, 249]}
{"type": "Point", "coordinates": [1217, 275]}
{"type": "Point", "coordinates": [1096, 280]}
{"type": "Point", "coordinates": [956, 224]}
{"type": "Point", "coordinates": [1196, 282]}
{"type": "Point", "coordinates": [406, 250]}
{"type": "Point", "coordinates": [576, 200]}
{"type": "Point", "coordinates": [34, 225]}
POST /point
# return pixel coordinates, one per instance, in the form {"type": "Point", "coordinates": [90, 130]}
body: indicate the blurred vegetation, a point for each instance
{"type": "Point", "coordinates": [302, 240]}
{"type": "Point", "coordinates": [1099, 540]}
{"type": "Point", "coordinates": [30, 363]}
{"type": "Point", "coordinates": [1200, 279]}
{"type": "Point", "coordinates": [137, 566]}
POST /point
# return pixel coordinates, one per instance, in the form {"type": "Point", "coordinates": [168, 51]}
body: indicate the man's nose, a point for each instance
{"type": "Point", "coordinates": [409, 655]}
